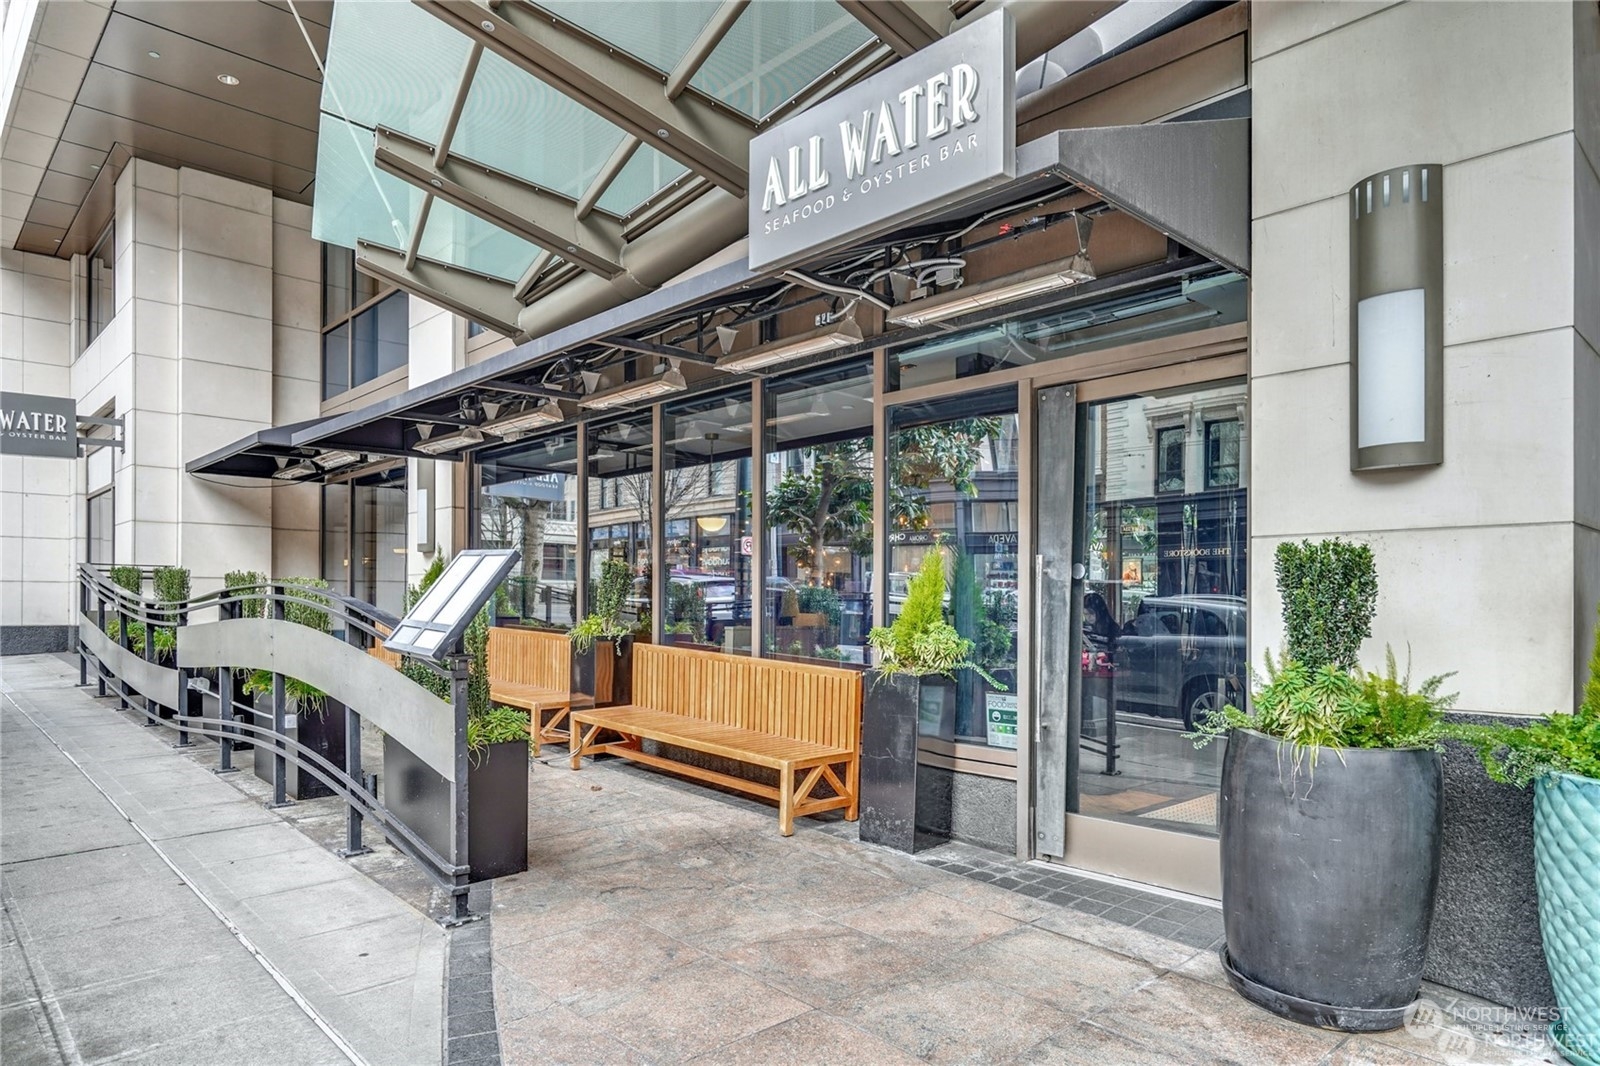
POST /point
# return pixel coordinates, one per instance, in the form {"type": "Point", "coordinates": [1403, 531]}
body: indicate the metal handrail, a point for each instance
{"type": "Point", "coordinates": [101, 600]}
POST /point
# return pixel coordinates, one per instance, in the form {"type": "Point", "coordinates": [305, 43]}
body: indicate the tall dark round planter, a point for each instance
{"type": "Point", "coordinates": [1328, 878]}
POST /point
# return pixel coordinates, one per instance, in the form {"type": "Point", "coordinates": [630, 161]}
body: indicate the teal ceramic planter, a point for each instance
{"type": "Point", "coordinates": [1566, 854]}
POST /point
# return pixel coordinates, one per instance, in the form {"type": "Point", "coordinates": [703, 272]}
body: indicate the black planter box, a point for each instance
{"type": "Point", "coordinates": [322, 732]}
{"type": "Point", "coordinates": [497, 804]}
{"type": "Point", "coordinates": [604, 673]}
{"type": "Point", "coordinates": [211, 709]}
{"type": "Point", "coordinates": [894, 811]}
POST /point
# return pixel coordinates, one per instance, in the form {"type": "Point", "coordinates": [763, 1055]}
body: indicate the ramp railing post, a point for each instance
{"type": "Point", "coordinates": [459, 800]}
{"type": "Point", "coordinates": [352, 759]}
{"type": "Point", "coordinates": [280, 764]}
{"type": "Point", "coordinates": [100, 620]}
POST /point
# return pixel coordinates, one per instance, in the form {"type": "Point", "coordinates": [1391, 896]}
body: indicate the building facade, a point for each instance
{"type": "Point", "coordinates": [1103, 389]}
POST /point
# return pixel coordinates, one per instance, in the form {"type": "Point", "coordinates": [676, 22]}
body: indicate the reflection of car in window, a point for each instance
{"type": "Point", "coordinates": [1171, 655]}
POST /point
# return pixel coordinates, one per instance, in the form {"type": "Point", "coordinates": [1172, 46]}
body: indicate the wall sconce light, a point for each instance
{"type": "Point", "coordinates": [1397, 319]}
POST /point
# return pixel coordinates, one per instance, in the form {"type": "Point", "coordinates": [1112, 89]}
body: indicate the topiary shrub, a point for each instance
{"type": "Point", "coordinates": [234, 580]}
{"type": "Point", "coordinates": [608, 597]}
{"type": "Point", "coordinates": [1330, 591]}
{"type": "Point", "coordinates": [171, 585]}
{"type": "Point", "coordinates": [128, 577]}
{"type": "Point", "coordinates": [307, 608]}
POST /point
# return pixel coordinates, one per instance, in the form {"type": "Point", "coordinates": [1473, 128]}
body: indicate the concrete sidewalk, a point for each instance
{"type": "Point", "coordinates": [110, 954]}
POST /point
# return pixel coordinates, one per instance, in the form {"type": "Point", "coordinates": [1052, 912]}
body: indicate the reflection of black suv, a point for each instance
{"type": "Point", "coordinates": [1171, 655]}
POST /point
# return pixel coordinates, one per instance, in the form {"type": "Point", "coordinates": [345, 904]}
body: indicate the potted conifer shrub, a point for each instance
{"type": "Point", "coordinates": [1330, 810]}
{"type": "Point", "coordinates": [602, 643]}
{"type": "Point", "coordinates": [1560, 756]}
{"type": "Point", "coordinates": [920, 650]}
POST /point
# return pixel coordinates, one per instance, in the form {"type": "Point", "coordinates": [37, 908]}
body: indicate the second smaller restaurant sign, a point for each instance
{"type": "Point", "coordinates": [932, 129]}
{"type": "Point", "coordinates": [44, 426]}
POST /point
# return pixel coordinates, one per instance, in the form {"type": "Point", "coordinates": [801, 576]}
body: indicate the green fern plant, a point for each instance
{"type": "Point", "coordinates": [1330, 707]}
{"type": "Point", "coordinates": [1556, 744]}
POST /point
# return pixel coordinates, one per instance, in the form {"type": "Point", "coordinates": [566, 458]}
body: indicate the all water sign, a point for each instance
{"type": "Point", "coordinates": [38, 425]}
{"type": "Point", "coordinates": [929, 131]}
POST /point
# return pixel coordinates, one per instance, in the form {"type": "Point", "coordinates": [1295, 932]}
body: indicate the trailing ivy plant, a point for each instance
{"type": "Point", "coordinates": [1330, 590]}
{"type": "Point", "coordinates": [920, 641]}
{"type": "Point", "coordinates": [608, 598]}
{"type": "Point", "coordinates": [1555, 744]}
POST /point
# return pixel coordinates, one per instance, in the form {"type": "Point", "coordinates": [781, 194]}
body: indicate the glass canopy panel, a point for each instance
{"type": "Point", "coordinates": [777, 49]}
{"type": "Point", "coordinates": [453, 236]}
{"type": "Point", "coordinates": [517, 124]}
{"type": "Point", "coordinates": [392, 64]}
{"type": "Point", "coordinates": [658, 33]}
{"type": "Point", "coordinates": [354, 198]}
{"type": "Point", "coordinates": [646, 174]}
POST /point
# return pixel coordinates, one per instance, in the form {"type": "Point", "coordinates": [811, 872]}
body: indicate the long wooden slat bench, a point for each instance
{"type": "Point", "coordinates": [532, 669]}
{"type": "Point", "coordinates": [801, 720]}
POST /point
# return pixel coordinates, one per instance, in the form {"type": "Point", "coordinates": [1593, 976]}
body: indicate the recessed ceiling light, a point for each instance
{"type": "Point", "coordinates": [663, 134]}
{"type": "Point", "coordinates": [94, 166]}
{"type": "Point", "coordinates": [227, 79]}
{"type": "Point", "coordinates": [153, 55]}
{"type": "Point", "coordinates": [488, 27]}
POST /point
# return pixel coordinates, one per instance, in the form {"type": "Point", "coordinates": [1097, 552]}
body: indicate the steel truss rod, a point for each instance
{"type": "Point", "coordinates": [706, 43]}
{"type": "Point", "coordinates": [482, 299]}
{"type": "Point", "coordinates": [665, 351]}
{"type": "Point", "coordinates": [704, 136]}
{"type": "Point", "coordinates": [534, 214]}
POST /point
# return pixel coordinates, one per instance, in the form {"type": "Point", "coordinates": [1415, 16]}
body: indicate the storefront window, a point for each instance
{"type": "Point", "coordinates": [620, 467]}
{"type": "Point", "coordinates": [819, 513]}
{"type": "Point", "coordinates": [527, 500]}
{"type": "Point", "coordinates": [706, 549]}
{"type": "Point", "coordinates": [100, 527]}
{"type": "Point", "coordinates": [1164, 603]}
{"type": "Point", "coordinates": [378, 541]}
{"type": "Point", "coordinates": [100, 288]}
{"type": "Point", "coordinates": [1089, 325]}
{"type": "Point", "coordinates": [336, 536]}
{"type": "Point", "coordinates": [953, 479]}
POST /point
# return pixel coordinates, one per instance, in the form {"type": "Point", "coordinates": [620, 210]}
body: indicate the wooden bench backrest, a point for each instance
{"type": "Point", "coordinates": [820, 704]}
{"type": "Point", "coordinates": [381, 653]}
{"type": "Point", "coordinates": [530, 657]}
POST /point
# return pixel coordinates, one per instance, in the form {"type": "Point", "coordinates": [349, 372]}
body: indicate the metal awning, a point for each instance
{"type": "Point", "coordinates": [1189, 180]}
{"type": "Point", "coordinates": [260, 454]}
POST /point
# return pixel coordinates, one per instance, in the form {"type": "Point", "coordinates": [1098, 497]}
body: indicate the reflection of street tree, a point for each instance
{"type": "Point", "coordinates": [829, 500]}
{"type": "Point", "coordinates": [526, 522]}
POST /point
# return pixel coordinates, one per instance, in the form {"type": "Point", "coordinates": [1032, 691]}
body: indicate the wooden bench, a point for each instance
{"type": "Point", "coordinates": [795, 718]}
{"type": "Point", "coordinates": [532, 670]}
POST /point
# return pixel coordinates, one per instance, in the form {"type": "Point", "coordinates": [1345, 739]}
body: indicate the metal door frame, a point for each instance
{"type": "Point", "coordinates": [1169, 858]}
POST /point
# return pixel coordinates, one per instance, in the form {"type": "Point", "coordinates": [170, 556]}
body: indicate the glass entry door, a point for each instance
{"type": "Point", "coordinates": [1147, 632]}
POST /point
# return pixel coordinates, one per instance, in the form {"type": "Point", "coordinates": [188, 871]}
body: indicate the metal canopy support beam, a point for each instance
{"type": "Point", "coordinates": [537, 215]}
{"type": "Point", "coordinates": [479, 298]}
{"type": "Point", "coordinates": [520, 389]}
{"type": "Point", "coordinates": [1190, 180]}
{"type": "Point", "coordinates": [907, 26]}
{"type": "Point", "coordinates": [710, 36]}
{"type": "Point", "coordinates": [705, 137]}
{"type": "Point", "coordinates": [608, 174]}
{"type": "Point", "coordinates": [665, 351]}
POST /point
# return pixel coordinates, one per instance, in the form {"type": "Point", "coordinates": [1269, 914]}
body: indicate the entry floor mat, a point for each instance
{"type": "Point", "coordinates": [1202, 810]}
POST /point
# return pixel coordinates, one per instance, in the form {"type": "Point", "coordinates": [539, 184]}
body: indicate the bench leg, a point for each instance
{"type": "Point", "coordinates": [533, 729]}
{"type": "Point", "coordinates": [852, 780]}
{"type": "Point", "coordinates": [580, 742]}
{"type": "Point", "coordinates": [786, 800]}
